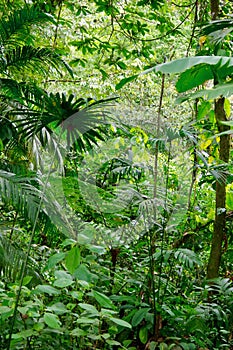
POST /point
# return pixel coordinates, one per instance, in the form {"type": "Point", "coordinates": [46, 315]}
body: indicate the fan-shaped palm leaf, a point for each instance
{"type": "Point", "coordinates": [84, 121]}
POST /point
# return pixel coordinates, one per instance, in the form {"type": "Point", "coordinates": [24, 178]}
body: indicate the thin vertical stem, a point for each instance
{"type": "Point", "coordinates": [195, 162]}
{"type": "Point", "coordinates": [162, 241]}
{"type": "Point", "coordinates": [194, 27]}
{"type": "Point", "coordinates": [13, 225]}
{"type": "Point", "coordinates": [56, 29]}
{"type": "Point", "coordinates": [158, 133]}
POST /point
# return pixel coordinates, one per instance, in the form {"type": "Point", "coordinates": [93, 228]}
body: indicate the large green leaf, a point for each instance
{"type": "Point", "coordinates": [143, 334]}
{"type": "Point", "coordinates": [54, 259]}
{"type": "Point", "coordinates": [83, 274]}
{"type": "Point", "coordinates": [210, 67]}
{"type": "Point", "coordinates": [63, 279]}
{"type": "Point", "coordinates": [52, 320]}
{"type": "Point", "coordinates": [58, 308]}
{"type": "Point", "coordinates": [90, 308]}
{"type": "Point", "coordinates": [72, 259]}
{"type": "Point", "coordinates": [87, 320]}
{"type": "Point", "coordinates": [194, 76]}
{"type": "Point", "coordinates": [43, 288]}
{"type": "Point", "coordinates": [224, 90]}
{"type": "Point", "coordinates": [201, 73]}
{"type": "Point", "coordinates": [182, 64]}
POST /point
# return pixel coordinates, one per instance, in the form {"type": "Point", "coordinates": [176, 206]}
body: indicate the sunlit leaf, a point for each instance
{"type": "Point", "coordinates": [125, 81]}
{"type": "Point", "coordinates": [43, 288]}
{"type": "Point", "coordinates": [120, 322]}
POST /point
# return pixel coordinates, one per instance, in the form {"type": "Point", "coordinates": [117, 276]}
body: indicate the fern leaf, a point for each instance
{"type": "Point", "coordinates": [187, 257]}
{"type": "Point", "coordinates": [12, 261]}
{"type": "Point", "coordinates": [28, 57]}
{"type": "Point", "coordinates": [13, 29]}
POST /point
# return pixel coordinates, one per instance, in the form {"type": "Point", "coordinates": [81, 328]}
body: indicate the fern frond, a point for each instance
{"type": "Point", "coordinates": [18, 191]}
{"type": "Point", "coordinates": [187, 257]}
{"type": "Point", "coordinates": [37, 59]}
{"type": "Point", "coordinates": [14, 31]}
{"type": "Point", "coordinates": [12, 261]}
{"type": "Point", "coordinates": [28, 200]}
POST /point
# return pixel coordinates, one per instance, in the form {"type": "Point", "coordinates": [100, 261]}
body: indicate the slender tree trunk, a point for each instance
{"type": "Point", "coordinates": [220, 195]}
{"type": "Point", "coordinates": [220, 211]}
{"type": "Point", "coordinates": [214, 8]}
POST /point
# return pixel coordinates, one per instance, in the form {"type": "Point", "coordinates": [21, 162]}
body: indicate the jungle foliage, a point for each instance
{"type": "Point", "coordinates": [116, 180]}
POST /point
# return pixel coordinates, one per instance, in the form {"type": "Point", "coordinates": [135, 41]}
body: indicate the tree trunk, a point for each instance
{"type": "Point", "coordinates": [220, 199]}
{"type": "Point", "coordinates": [220, 195]}
{"type": "Point", "coordinates": [214, 8]}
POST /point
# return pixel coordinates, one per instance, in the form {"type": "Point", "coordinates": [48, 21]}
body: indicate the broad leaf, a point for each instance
{"type": "Point", "coordinates": [201, 73]}
{"type": "Point", "coordinates": [58, 308]}
{"type": "Point", "coordinates": [43, 288]}
{"type": "Point", "coordinates": [194, 76]}
{"type": "Point", "coordinates": [62, 282]}
{"type": "Point", "coordinates": [83, 274]}
{"type": "Point", "coordinates": [125, 81]}
{"type": "Point", "coordinates": [182, 64]}
{"type": "Point", "coordinates": [72, 259]}
{"type": "Point", "coordinates": [224, 90]}
{"type": "Point", "coordinates": [103, 300]}
{"type": "Point", "coordinates": [23, 334]}
{"type": "Point", "coordinates": [89, 308]}
{"type": "Point", "coordinates": [52, 320]}
{"type": "Point", "coordinates": [86, 320]}
{"type": "Point", "coordinates": [139, 316]}
{"type": "Point", "coordinates": [5, 310]}
{"type": "Point", "coordinates": [54, 259]}
{"type": "Point", "coordinates": [143, 334]}
{"type": "Point", "coordinates": [120, 322]}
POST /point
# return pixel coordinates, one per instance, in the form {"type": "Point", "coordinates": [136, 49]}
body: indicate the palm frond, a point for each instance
{"type": "Point", "coordinates": [218, 29]}
{"type": "Point", "coordinates": [14, 30]}
{"type": "Point", "coordinates": [31, 58]}
{"type": "Point", "coordinates": [12, 261]}
{"type": "Point", "coordinates": [18, 191]}
{"type": "Point", "coordinates": [28, 196]}
{"type": "Point", "coordinates": [34, 112]}
{"type": "Point", "coordinates": [83, 121]}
